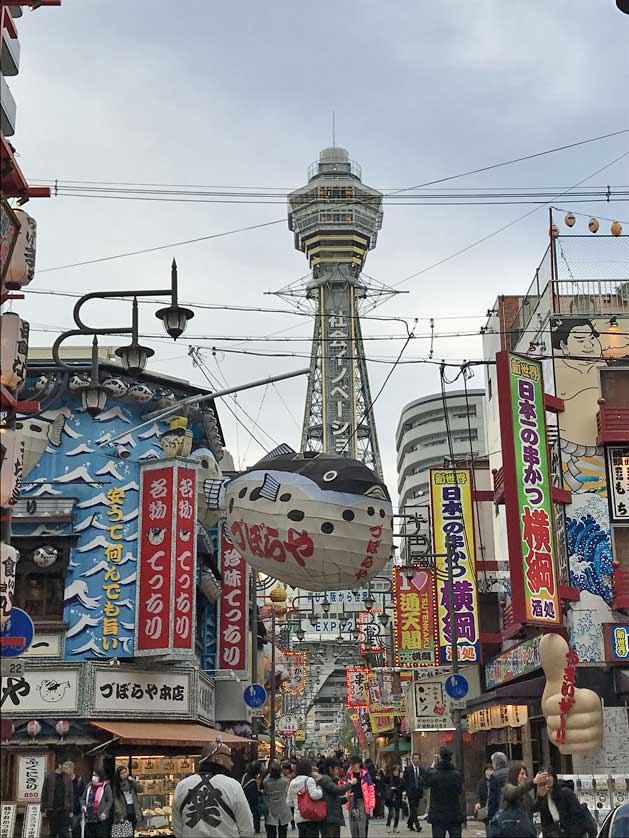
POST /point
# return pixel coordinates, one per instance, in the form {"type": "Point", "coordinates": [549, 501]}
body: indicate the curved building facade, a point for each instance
{"type": "Point", "coordinates": [422, 442]}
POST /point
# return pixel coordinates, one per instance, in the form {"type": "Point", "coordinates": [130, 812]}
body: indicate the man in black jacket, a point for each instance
{"type": "Point", "coordinates": [78, 790]}
{"type": "Point", "coordinates": [497, 782]}
{"type": "Point", "coordinates": [57, 802]}
{"type": "Point", "coordinates": [446, 788]}
{"type": "Point", "coordinates": [413, 782]}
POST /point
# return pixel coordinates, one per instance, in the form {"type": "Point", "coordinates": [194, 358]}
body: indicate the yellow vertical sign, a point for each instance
{"type": "Point", "coordinates": [453, 518]}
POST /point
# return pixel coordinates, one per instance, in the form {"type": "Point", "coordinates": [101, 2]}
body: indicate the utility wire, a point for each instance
{"type": "Point", "coordinates": [369, 408]}
{"type": "Point", "coordinates": [504, 227]}
{"type": "Point", "coordinates": [282, 220]}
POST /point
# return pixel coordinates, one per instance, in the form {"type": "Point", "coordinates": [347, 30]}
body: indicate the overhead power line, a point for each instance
{"type": "Point", "coordinates": [282, 220]}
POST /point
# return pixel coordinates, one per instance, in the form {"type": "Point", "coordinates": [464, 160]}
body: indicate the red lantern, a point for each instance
{"type": "Point", "coordinates": [33, 728]}
{"type": "Point", "coordinates": [62, 727]}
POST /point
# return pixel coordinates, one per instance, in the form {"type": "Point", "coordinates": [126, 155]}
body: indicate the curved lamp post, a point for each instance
{"type": "Point", "coordinates": [134, 356]}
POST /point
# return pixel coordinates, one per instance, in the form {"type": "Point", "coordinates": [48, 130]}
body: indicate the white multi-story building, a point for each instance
{"type": "Point", "coordinates": [422, 439]}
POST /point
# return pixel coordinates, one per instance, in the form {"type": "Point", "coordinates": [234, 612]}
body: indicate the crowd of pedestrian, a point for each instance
{"type": "Point", "coordinates": [310, 797]}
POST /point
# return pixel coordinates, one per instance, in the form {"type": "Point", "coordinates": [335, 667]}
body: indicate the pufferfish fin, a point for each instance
{"type": "Point", "coordinates": [214, 492]}
{"type": "Point", "coordinates": [55, 429]}
{"type": "Point", "coordinates": [376, 492]}
{"type": "Point", "coordinates": [283, 448]}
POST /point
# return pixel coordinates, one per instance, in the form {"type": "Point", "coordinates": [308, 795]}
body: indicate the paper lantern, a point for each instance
{"type": "Point", "coordinates": [62, 727]}
{"type": "Point", "coordinates": [13, 350]}
{"type": "Point", "coordinates": [22, 265]}
{"type": "Point", "coordinates": [11, 458]}
{"type": "Point", "coordinates": [594, 225]}
{"type": "Point", "coordinates": [33, 728]}
{"type": "Point", "coordinates": [313, 521]}
{"type": "Point", "coordinates": [570, 219]}
{"type": "Point", "coordinates": [9, 557]}
{"type": "Point", "coordinates": [616, 228]}
{"type": "Point", "coordinates": [45, 556]}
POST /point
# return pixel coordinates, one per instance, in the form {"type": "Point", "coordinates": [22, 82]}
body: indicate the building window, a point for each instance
{"type": "Point", "coordinates": [39, 591]}
{"type": "Point", "coordinates": [615, 386]}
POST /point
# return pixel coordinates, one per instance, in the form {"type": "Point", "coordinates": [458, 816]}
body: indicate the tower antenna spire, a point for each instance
{"type": "Point", "coordinates": [333, 131]}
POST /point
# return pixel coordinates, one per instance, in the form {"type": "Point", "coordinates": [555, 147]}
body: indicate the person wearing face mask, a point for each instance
{"type": "Point", "coordinates": [126, 810]}
{"type": "Point", "coordinates": [97, 803]}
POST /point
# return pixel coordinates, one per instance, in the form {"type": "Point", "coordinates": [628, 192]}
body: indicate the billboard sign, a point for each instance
{"type": "Point", "coordinates": [356, 687]}
{"type": "Point", "coordinates": [414, 619]}
{"type": "Point", "coordinates": [232, 620]}
{"type": "Point", "coordinates": [453, 520]}
{"type": "Point", "coordinates": [165, 616]}
{"type": "Point", "coordinates": [532, 552]}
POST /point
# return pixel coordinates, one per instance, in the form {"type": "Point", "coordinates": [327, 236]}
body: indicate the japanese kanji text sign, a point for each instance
{"type": "Point", "coordinates": [297, 671]}
{"type": "Point", "coordinates": [232, 620]}
{"type": "Point", "coordinates": [532, 561]}
{"type": "Point", "coordinates": [165, 617]}
{"type": "Point", "coordinates": [414, 619]}
{"type": "Point", "coordinates": [337, 313]}
{"type": "Point", "coordinates": [453, 519]}
{"type": "Point", "coordinates": [356, 685]}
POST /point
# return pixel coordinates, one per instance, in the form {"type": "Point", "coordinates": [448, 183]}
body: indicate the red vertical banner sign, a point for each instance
{"type": "Point", "coordinates": [185, 552]}
{"type": "Point", "coordinates": [232, 620]}
{"type": "Point", "coordinates": [155, 559]}
{"type": "Point", "coordinates": [165, 613]}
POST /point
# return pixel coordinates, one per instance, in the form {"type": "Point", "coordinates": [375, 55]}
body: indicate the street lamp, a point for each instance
{"type": "Point", "coordinates": [278, 598]}
{"type": "Point", "coordinates": [300, 633]}
{"type": "Point", "coordinates": [369, 601]}
{"type": "Point", "coordinates": [383, 619]}
{"type": "Point", "coordinates": [325, 605]}
{"type": "Point", "coordinates": [134, 356]}
{"type": "Point", "coordinates": [174, 317]}
{"type": "Point", "coordinates": [93, 396]}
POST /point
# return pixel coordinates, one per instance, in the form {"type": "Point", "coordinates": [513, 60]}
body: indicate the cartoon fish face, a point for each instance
{"type": "Point", "coordinates": [140, 393]}
{"type": "Point", "coordinates": [185, 535]}
{"type": "Point", "coordinates": [319, 523]}
{"type": "Point", "coordinates": [116, 386]}
{"type": "Point", "coordinates": [52, 691]}
{"type": "Point", "coordinates": [156, 535]}
{"type": "Point", "coordinates": [76, 382]}
{"type": "Point", "coordinates": [45, 556]}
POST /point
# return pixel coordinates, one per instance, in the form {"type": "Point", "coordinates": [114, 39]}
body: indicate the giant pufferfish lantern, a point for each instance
{"type": "Point", "coordinates": [313, 521]}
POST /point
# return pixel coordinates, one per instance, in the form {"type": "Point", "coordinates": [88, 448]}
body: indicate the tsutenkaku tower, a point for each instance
{"type": "Point", "coordinates": [335, 219]}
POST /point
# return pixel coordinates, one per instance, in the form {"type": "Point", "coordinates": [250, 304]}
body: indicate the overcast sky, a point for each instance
{"type": "Point", "coordinates": [241, 94]}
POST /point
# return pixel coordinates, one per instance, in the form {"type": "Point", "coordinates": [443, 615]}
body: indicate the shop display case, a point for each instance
{"type": "Point", "coordinates": [159, 776]}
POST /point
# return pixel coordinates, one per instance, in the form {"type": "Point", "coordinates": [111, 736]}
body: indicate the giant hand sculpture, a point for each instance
{"type": "Point", "coordinates": [574, 717]}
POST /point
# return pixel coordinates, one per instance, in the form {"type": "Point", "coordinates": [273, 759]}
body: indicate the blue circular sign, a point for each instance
{"type": "Point", "coordinates": [255, 695]}
{"type": "Point", "coordinates": [457, 686]}
{"type": "Point", "coordinates": [17, 634]}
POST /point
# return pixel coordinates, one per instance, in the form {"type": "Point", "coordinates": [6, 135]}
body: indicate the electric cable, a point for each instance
{"type": "Point", "coordinates": [282, 220]}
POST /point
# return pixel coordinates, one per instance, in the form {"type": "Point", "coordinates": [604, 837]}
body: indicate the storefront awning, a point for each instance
{"type": "Point", "coordinates": [515, 693]}
{"type": "Point", "coordinates": [167, 734]}
{"type": "Point", "coordinates": [403, 747]}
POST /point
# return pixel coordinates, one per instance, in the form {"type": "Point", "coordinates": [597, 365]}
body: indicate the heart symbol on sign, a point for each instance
{"type": "Point", "coordinates": [420, 579]}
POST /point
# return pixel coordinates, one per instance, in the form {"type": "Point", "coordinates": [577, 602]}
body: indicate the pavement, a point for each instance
{"type": "Point", "coordinates": [474, 829]}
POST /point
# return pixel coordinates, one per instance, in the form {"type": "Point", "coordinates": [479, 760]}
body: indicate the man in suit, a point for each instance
{"type": "Point", "coordinates": [413, 781]}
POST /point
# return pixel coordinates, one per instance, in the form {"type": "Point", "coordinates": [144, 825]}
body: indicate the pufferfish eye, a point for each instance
{"type": "Point", "coordinates": [329, 476]}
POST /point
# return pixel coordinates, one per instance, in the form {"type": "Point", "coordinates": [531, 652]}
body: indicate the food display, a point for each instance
{"type": "Point", "coordinates": [158, 775]}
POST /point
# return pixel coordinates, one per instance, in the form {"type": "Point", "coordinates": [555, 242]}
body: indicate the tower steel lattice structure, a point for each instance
{"type": "Point", "coordinates": [335, 219]}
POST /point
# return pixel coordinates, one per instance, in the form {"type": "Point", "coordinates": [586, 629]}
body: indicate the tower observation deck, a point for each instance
{"type": "Point", "coordinates": [335, 219]}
